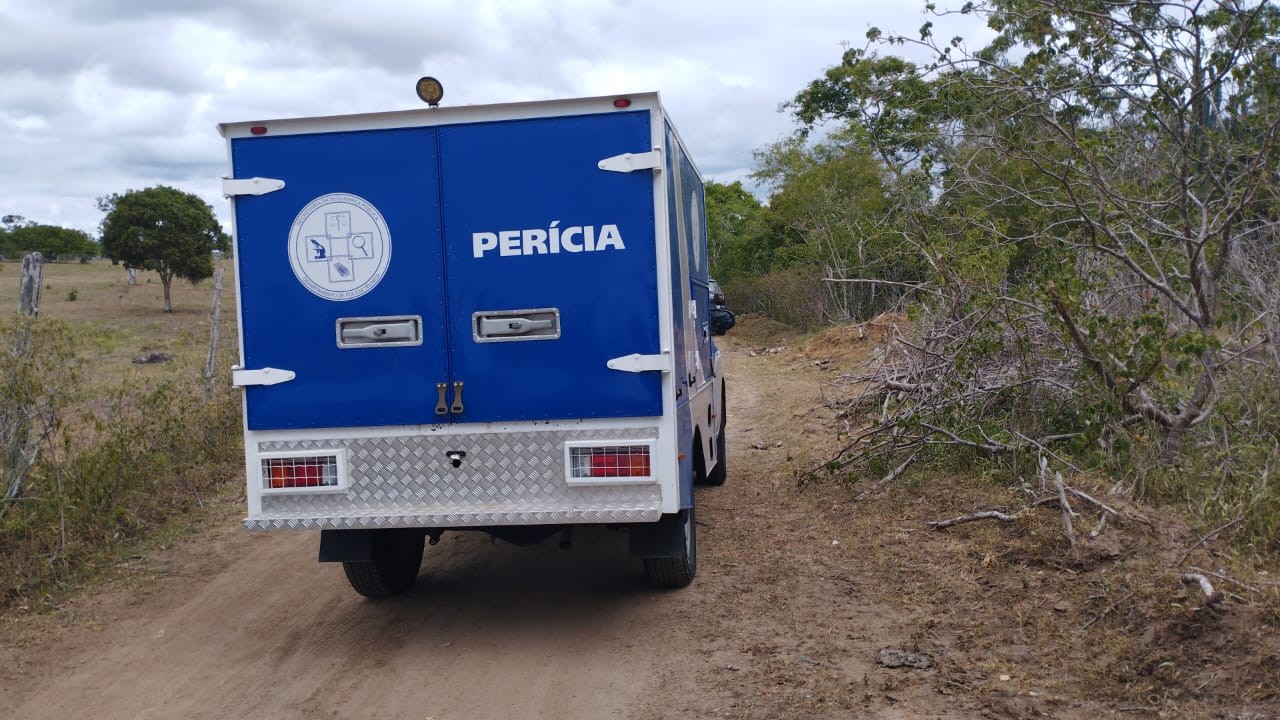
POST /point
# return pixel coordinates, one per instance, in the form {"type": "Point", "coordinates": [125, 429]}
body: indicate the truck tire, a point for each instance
{"type": "Point", "coordinates": [677, 571]}
{"type": "Point", "coordinates": [397, 556]}
{"type": "Point", "coordinates": [720, 472]}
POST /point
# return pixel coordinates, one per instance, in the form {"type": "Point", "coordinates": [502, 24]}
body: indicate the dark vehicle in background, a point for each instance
{"type": "Point", "coordinates": [717, 295]}
{"type": "Point", "coordinates": [721, 317]}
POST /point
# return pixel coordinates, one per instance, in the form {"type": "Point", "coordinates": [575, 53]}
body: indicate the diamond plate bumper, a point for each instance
{"type": "Point", "coordinates": [505, 479]}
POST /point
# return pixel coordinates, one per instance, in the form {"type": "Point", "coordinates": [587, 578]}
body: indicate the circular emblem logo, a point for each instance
{"type": "Point", "coordinates": [339, 246]}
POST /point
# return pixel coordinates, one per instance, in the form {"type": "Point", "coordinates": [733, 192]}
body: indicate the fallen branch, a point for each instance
{"type": "Point", "coordinates": [1204, 540]}
{"type": "Point", "coordinates": [973, 517]}
{"type": "Point", "coordinates": [1211, 596]}
{"type": "Point", "coordinates": [957, 440]}
{"type": "Point", "coordinates": [1067, 512]}
{"type": "Point", "coordinates": [893, 475]}
{"type": "Point", "coordinates": [1224, 578]}
{"type": "Point", "coordinates": [1097, 529]}
{"type": "Point", "coordinates": [1101, 505]}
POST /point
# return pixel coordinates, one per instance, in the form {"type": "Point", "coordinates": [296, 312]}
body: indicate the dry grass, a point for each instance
{"type": "Point", "coordinates": [118, 322]}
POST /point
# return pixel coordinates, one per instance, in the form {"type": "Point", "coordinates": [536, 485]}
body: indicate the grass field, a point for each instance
{"type": "Point", "coordinates": [135, 446]}
{"type": "Point", "coordinates": [117, 322]}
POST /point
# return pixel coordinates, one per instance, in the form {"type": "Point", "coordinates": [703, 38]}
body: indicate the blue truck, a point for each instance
{"type": "Point", "coordinates": [490, 317]}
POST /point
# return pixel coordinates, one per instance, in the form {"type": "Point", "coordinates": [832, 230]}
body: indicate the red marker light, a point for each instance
{"type": "Point", "coordinates": [258, 129]}
{"type": "Point", "coordinates": [622, 103]}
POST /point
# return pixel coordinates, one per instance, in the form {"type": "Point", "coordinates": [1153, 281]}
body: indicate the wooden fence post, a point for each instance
{"type": "Point", "coordinates": [19, 453]}
{"type": "Point", "coordinates": [29, 293]}
{"type": "Point", "coordinates": [213, 334]}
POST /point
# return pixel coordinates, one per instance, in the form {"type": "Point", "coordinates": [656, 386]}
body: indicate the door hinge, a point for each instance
{"type": "Point", "coordinates": [630, 162]}
{"type": "Point", "coordinates": [636, 362]}
{"type": "Point", "coordinates": [262, 376]}
{"type": "Point", "coordinates": [250, 186]}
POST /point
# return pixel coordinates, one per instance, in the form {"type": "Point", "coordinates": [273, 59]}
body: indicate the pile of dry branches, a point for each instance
{"type": "Point", "coordinates": [993, 380]}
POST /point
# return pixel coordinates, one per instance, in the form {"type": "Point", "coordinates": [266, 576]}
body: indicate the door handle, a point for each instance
{"type": "Point", "coordinates": [492, 327]}
{"type": "Point", "coordinates": [513, 325]}
{"type": "Point", "coordinates": [385, 331]}
{"type": "Point", "coordinates": [390, 331]}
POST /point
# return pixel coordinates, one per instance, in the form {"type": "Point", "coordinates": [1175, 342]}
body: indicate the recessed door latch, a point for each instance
{"type": "Point", "coordinates": [515, 325]}
{"type": "Point", "coordinates": [389, 331]}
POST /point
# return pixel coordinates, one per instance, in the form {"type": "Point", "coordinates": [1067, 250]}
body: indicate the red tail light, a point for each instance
{"type": "Point", "coordinates": [616, 461]}
{"type": "Point", "coordinates": [300, 472]}
{"type": "Point", "coordinates": [611, 464]}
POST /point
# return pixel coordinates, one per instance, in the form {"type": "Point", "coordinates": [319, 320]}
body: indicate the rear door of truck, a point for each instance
{"type": "Point", "coordinates": [468, 273]}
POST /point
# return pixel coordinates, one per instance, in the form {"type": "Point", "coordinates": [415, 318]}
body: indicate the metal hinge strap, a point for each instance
{"type": "Point", "coordinates": [630, 162]}
{"type": "Point", "coordinates": [636, 362]}
{"type": "Point", "coordinates": [250, 186]}
{"type": "Point", "coordinates": [261, 376]}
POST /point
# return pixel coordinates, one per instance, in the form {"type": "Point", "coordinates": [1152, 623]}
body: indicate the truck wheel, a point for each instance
{"type": "Point", "coordinates": [678, 571]}
{"type": "Point", "coordinates": [720, 472]}
{"type": "Point", "coordinates": [397, 556]}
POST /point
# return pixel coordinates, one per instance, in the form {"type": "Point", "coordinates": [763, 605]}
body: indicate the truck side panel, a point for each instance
{"type": "Point", "coordinates": [692, 351]}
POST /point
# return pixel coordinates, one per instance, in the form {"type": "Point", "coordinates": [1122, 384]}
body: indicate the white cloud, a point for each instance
{"type": "Point", "coordinates": [106, 95]}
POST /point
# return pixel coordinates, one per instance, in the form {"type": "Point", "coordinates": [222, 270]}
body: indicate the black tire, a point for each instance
{"type": "Point", "coordinates": [720, 472]}
{"type": "Point", "coordinates": [397, 556]}
{"type": "Point", "coordinates": [678, 571]}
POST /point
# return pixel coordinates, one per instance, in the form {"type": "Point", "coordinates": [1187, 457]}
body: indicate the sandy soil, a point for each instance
{"type": "Point", "coordinates": [798, 593]}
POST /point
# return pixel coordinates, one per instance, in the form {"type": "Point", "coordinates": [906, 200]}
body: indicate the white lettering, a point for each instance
{"type": "Point", "coordinates": [535, 242]}
{"type": "Point", "coordinates": [480, 242]}
{"type": "Point", "coordinates": [510, 241]}
{"type": "Point", "coordinates": [551, 241]}
{"type": "Point", "coordinates": [567, 243]}
{"type": "Point", "coordinates": [610, 238]}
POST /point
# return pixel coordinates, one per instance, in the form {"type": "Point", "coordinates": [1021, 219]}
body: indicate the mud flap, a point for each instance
{"type": "Point", "coordinates": [347, 545]}
{"type": "Point", "coordinates": [664, 538]}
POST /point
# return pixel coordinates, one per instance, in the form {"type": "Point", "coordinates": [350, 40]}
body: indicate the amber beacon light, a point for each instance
{"type": "Point", "coordinates": [430, 90]}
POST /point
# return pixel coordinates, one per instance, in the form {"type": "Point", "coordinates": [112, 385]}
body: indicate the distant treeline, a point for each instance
{"type": "Point", "coordinates": [19, 236]}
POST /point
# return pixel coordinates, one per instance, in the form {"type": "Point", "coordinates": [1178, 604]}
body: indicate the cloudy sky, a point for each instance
{"type": "Point", "coordinates": [102, 96]}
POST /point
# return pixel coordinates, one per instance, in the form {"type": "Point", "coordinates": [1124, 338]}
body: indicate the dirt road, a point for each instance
{"type": "Point", "coordinates": [797, 594]}
{"type": "Point", "coordinates": [238, 625]}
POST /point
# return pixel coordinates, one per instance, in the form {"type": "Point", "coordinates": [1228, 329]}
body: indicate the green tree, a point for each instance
{"type": "Point", "coordinates": [835, 210]}
{"type": "Point", "coordinates": [9, 223]}
{"type": "Point", "coordinates": [735, 225]}
{"type": "Point", "coordinates": [162, 229]}
{"type": "Point", "coordinates": [51, 241]}
{"type": "Point", "coordinates": [1093, 176]}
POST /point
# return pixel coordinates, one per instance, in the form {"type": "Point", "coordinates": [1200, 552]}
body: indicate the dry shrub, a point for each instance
{"type": "Point", "coordinates": [144, 460]}
{"type": "Point", "coordinates": [794, 296]}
